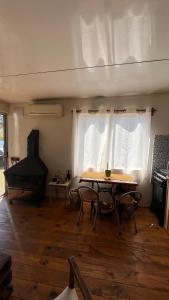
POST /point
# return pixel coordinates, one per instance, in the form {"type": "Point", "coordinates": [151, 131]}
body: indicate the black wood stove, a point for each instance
{"type": "Point", "coordinates": [159, 182]}
{"type": "Point", "coordinates": [29, 174]}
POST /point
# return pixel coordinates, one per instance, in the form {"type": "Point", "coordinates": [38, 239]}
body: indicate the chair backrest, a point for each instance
{"type": "Point", "coordinates": [133, 198]}
{"type": "Point", "coordinates": [88, 194]}
{"type": "Point", "coordinates": [74, 199]}
{"type": "Point", "coordinates": [69, 293]}
{"type": "Point", "coordinates": [73, 193]}
{"type": "Point", "coordinates": [74, 184]}
{"type": "Point", "coordinates": [75, 275]}
{"type": "Point", "coordinates": [105, 187]}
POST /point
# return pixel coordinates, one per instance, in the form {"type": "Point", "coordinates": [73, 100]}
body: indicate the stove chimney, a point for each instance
{"type": "Point", "coordinates": [33, 144]}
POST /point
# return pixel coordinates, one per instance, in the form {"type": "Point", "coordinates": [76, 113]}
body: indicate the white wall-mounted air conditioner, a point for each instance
{"type": "Point", "coordinates": [44, 110]}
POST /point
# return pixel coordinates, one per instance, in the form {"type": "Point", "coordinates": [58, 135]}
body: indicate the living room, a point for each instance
{"type": "Point", "coordinates": [84, 90]}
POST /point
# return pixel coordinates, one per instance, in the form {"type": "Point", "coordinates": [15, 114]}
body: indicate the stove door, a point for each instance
{"type": "Point", "coordinates": [159, 198]}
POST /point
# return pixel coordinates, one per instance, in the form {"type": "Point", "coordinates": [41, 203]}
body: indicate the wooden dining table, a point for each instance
{"type": "Point", "coordinates": [114, 179]}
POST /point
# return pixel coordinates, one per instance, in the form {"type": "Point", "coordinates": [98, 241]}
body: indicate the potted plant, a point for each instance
{"type": "Point", "coordinates": [107, 172]}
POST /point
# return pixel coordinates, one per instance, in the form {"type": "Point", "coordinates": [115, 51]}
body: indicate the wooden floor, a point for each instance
{"type": "Point", "coordinates": [115, 267]}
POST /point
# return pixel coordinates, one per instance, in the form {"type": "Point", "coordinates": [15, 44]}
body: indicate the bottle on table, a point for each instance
{"type": "Point", "coordinates": [68, 176]}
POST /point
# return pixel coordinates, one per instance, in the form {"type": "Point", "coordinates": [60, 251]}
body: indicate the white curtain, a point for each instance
{"type": "Point", "coordinates": [75, 170]}
{"type": "Point", "coordinates": [121, 140]}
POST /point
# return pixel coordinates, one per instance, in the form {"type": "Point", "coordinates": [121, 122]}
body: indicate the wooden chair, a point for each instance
{"type": "Point", "coordinates": [73, 194]}
{"type": "Point", "coordinates": [104, 187]}
{"type": "Point", "coordinates": [99, 204]}
{"type": "Point", "coordinates": [69, 292]}
{"type": "Point", "coordinates": [5, 276]}
{"type": "Point", "coordinates": [88, 194]}
{"type": "Point", "coordinates": [129, 203]}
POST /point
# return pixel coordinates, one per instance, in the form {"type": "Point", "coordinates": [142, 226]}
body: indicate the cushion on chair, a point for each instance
{"type": "Point", "coordinates": [68, 294]}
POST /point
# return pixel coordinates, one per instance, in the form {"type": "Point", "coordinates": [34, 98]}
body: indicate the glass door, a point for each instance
{"type": "Point", "coordinates": [3, 151]}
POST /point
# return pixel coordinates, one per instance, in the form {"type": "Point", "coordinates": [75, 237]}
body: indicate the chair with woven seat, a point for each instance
{"type": "Point", "coordinates": [73, 194]}
{"type": "Point", "coordinates": [99, 204]}
{"type": "Point", "coordinates": [104, 187]}
{"type": "Point", "coordinates": [87, 194]}
{"type": "Point", "coordinates": [128, 203]}
{"type": "Point", "coordinates": [69, 293]}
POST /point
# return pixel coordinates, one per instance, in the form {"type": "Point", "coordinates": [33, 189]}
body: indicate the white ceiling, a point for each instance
{"type": "Point", "coordinates": [74, 40]}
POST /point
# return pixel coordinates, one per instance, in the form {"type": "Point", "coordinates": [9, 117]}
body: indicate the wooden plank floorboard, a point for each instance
{"type": "Point", "coordinates": [115, 267]}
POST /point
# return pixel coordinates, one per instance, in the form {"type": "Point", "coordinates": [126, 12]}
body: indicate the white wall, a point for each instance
{"type": "Point", "coordinates": [55, 133]}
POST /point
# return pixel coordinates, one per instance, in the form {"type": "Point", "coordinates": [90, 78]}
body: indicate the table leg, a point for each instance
{"type": "Point", "coordinates": [50, 195]}
{"type": "Point", "coordinates": [65, 196]}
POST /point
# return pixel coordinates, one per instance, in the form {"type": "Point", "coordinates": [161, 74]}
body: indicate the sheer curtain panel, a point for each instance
{"type": "Point", "coordinates": [120, 139]}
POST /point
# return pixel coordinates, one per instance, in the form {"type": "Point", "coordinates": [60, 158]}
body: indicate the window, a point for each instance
{"type": "Point", "coordinates": [121, 140]}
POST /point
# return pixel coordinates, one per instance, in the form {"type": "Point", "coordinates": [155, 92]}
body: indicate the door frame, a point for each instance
{"type": "Point", "coordinates": [5, 133]}
{"type": "Point", "coordinates": [5, 140]}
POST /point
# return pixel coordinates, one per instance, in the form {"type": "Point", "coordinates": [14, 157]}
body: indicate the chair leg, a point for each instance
{"type": "Point", "coordinates": [135, 225]}
{"type": "Point", "coordinates": [120, 215]}
{"type": "Point", "coordinates": [95, 217]}
{"type": "Point", "coordinates": [118, 220]}
{"type": "Point", "coordinates": [80, 213]}
{"type": "Point", "coordinates": [91, 209]}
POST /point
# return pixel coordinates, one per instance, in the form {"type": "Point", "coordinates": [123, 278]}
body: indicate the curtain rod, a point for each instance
{"type": "Point", "coordinates": [153, 110]}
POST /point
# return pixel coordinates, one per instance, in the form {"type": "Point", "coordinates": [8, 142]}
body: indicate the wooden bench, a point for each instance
{"type": "Point", "coordinates": [5, 276]}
